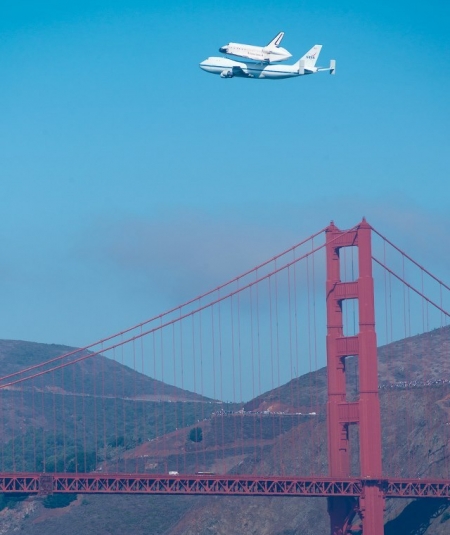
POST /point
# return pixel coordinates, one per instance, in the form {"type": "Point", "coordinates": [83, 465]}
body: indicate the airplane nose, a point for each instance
{"type": "Point", "coordinates": [223, 49]}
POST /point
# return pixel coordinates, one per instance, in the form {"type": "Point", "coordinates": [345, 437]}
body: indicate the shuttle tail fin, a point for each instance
{"type": "Point", "coordinates": [276, 40]}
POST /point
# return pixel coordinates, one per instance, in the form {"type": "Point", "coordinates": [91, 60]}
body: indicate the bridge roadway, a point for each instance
{"type": "Point", "coordinates": [96, 483]}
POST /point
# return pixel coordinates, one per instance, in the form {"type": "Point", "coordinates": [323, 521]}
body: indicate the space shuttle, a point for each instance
{"type": "Point", "coordinates": [270, 53]}
{"type": "Point", "coordinates": [229, 68]}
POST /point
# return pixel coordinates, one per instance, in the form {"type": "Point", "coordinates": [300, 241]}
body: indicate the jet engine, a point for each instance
{"type": "Point", "coordinates": [228, 73]}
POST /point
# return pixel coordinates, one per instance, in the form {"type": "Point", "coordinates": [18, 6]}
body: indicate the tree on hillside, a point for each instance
{"type": "Point", "coordinates": [196, 434]}
{"type": "Point", "coordinates": [55, 501]}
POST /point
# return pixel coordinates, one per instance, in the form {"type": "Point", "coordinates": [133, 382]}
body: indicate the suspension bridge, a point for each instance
{"type": "Point", "coordinates": [227, 394]}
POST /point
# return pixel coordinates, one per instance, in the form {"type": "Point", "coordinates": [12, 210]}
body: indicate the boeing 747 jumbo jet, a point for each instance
{"type": "Point", "coordinates": [228, 68]}
{"type": "Point", "coordinates": [267, 54]}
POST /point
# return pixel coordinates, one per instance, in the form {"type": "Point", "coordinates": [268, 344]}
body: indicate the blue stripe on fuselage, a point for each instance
{"type": "Point", "coordinates": [248, 69]}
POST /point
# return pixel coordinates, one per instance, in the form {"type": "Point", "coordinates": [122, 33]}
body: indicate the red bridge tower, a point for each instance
{"type": "Point", "coordinates": [366, 410]}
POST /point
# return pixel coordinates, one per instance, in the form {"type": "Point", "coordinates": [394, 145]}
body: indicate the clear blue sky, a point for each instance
{"type": "Point", "coordinates": [132, 180]}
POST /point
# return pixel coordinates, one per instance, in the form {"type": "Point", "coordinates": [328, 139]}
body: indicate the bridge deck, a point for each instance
{"type": "Point", "coordinates": [217, 485]}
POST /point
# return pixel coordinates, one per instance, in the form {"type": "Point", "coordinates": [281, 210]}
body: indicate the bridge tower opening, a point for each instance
{"type": "Point", "coordinates": [365, 410]}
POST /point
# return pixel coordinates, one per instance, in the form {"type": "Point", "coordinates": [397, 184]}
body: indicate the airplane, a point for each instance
{"type": "Point", "coordinates": [228, 68]}
{"type": "Point", "coordinates": [266, 54]}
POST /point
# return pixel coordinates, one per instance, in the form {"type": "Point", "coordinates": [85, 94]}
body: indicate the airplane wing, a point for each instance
{"type": "Point", "coordinates": [239, 71]}
{"type": "Point", "coordinates": [235, 71]}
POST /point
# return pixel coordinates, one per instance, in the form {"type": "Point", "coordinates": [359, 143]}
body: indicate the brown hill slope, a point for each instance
{"type": "Point", "coordinates": [415, 442]}
{"type": "Point", "coordinates": [96, 375]}
{"type": "Point", "coordinates": [75, 417]}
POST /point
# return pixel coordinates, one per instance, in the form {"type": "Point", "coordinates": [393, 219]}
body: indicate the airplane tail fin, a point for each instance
{"type": "Point", "coordinates": [311, 56]}
{"type": "Point", "coordinates": [276, 40]}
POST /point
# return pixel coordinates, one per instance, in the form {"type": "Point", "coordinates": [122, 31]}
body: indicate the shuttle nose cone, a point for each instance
{"type": "Point", "coordinates": [283, 53]}
{"type": "Point", "coordinates": [223, 49]}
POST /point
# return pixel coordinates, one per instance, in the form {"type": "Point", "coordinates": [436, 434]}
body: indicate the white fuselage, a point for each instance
{"type": "Point", "coordinates": [266, 54]}
{"type": "Point", "coordinates": [228, 68]}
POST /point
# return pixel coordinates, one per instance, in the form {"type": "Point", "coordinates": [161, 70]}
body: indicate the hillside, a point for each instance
{"type": "Point", "coordinates": [77, 417]}
{"type": "Point", "coordinates": [415, 401]}
{"type": "Point", "coordinates": [94, 375]}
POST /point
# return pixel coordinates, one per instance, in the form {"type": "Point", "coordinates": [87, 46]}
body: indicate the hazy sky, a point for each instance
{"type": "Point", "coordinates": [132, 180]}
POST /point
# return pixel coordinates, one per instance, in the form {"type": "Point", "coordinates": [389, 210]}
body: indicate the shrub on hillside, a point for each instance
{"type": "Point", "coordinates": [196, 434]}
{"type": "Point", "coordinates": [55, 501]}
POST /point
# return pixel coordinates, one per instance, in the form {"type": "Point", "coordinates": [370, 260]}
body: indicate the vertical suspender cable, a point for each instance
{"type": "Point", "coordinates": [33, 412]}
{"type": "Point", "coordinates": [258, 332]}
{"type": "Point", "coordinates": [104, 410]}
{"type": "Point", "coordinates": [241, 399]}
{"type": "Point", "coordinates": [134, 402]}
{"type": "Point", "coordinates": [221, 385]}
{"type": "Point", "coordinates": [125, 444]}
{"type": "Point", "coordinates": [44, 444]}
{"type": "Point", "coordinates": [155, 390]}
{"type": "Point", "coordinates": [63, 412]}
{"type": "Point", "coordinates": [22, 419]}
{"type": "Point", "coordinates": [183, 418]}
{"type": "Point", "coordinates": [277, 334]}
{"type": "Point", "coordinates": [312, 387]}
{"type": "Point", "coordinates": [254, 372]}
{"type": "Point", "coordinates": [297, 403]}
{"type": "Point", "coordinates": [83, 410]}
{"type": "Point", "coordinates": [175, 401]}
{"type": "Point", "coordinates": [2, 431]}
{"type": "Point", "coordinates": [164, 430]}
{"type": "Point", "coordinates": [214, 376]}
{"type": "Point", "coordinates": [202, 393]}
{"type": "Point", "coordinates": [13, 433]}
{"type": "Point", "coordinates": [408, 416]}
{"type": "Point", "coordinates": [54, 423]}
{"type": "Point", "coordinates": [94, 383]}
{"type": "Point", "coordinates": [233, 374]}
{"type": "Point", "coordinates": [290, 411]}
{"type": "Point", "coordinates": [272, 364]}
{"type": "Point", "coordinates": [114, 441]}
{"type": "Point", "coordinates": [193, 364]}
{"type": "Point", "coordinates": [75, 420]}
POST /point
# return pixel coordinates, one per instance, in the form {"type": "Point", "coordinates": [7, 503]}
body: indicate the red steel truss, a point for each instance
{"type": "Point", "coordinates": [162, 484]}
{"type": "Point", "coordinates": [218, 485]}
